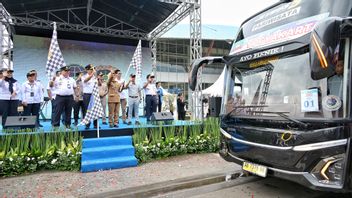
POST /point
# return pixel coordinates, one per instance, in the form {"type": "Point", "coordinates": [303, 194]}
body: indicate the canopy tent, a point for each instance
{"type": "Point", "coordinates": [216, 89]}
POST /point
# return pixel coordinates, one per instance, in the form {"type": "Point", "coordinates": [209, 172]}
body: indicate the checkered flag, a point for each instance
{"type": "Point", "coordinates": [95, 109]}
{"type": "Point", "coordinates": [55, 59]}
{"type": "Point", "coordinates": [136, 62]}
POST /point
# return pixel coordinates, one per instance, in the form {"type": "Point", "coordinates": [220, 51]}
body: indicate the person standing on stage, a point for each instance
{"type": "Point", "coordinates": [134, 95]}
{"type": "Point", "coordinates": [32, 94]}
{"type": "Point", "coordinates": [78, 105]}
{"type": "Point", "coordinates": [181, 107]}
{"type": "Point", "coordinates": [38, 82]}
{"type": "Point", "coordinates": [9, 93]}
{"type": "Point", "coordinates": [151, 97]}
{"type": "Point", "coordinates": [114, 89]}
{"type": "Point", "coordinates": [123, 96]}
{"type": "Point", "coordinates": [103, 91]}
{"type": "Point", "coordinates": [51, 89]}
{"type": "Point", "coordinates": [64, 97]}
{"type": "Point", "coordinates": [88, 81]}
{"type": "Point", "coordinates": [160, 93]}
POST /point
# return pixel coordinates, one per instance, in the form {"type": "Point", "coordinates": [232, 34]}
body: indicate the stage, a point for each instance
{"type": "Point", "coordinates": [105, 130]}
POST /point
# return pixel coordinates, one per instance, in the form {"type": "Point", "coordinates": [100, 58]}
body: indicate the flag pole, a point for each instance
{"type": "Point", "coordinates": [98, 131]}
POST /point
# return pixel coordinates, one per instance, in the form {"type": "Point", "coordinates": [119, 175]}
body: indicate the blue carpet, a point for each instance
{"type": "Point", "coordinates": [107, 153]}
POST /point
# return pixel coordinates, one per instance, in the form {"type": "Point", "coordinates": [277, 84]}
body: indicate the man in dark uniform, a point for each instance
{"type": "Point", "coordinates": [64, 97]}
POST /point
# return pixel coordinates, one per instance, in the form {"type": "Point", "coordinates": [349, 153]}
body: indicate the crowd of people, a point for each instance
{"type": "Point", "coordinates": [68, 93]}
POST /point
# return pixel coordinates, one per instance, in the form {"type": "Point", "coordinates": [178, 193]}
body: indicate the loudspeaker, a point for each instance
{"type": "Point", "coordinates": [20, 122]}
{"type": "Point", "coordinates": [162, 116]}
{"type": "Point", "coordinates": [214, 106]}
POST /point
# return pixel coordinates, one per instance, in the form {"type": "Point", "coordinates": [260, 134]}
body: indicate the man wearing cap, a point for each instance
{"type": "Point", "coordinates": [32, 94]}
{"type": "Point", "coordinates": [114, 89]}
{"type": "Point", "coordinates": [88, 81]}
{"type": "Point", "coordinates": [64, 97]}
{"type": "Point", "coordinates": [103, 91]}
{"type": "Point", "coordinates": [78, 105]}
{"type": "Point", "coordinates": [9, 93]}
{"type": "Point", "coordinates": [134, 95]}
{"type": "Point", "coordinates": [123, 96]}
{"type": "Point", "coordinates": [151, 97]}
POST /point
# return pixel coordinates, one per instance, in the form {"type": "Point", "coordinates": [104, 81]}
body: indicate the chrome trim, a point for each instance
{"type": "Point", "coordinates": [306, 147]}
{"type": "Point", "coordinates": [320, 145]}
{"type": "Point", "coordinates": [227, 135]}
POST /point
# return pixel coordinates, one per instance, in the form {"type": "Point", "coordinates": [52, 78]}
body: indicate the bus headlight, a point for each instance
{"type": "Point", "coordinates": [330, 170]}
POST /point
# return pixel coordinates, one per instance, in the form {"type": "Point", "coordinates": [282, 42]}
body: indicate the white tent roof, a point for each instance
{"type": "Point", "coordinates": [216, 89]}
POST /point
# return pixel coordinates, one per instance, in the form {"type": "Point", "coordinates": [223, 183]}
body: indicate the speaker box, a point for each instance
{"type": "Point", "coordinates": [214, 106]}
{"type": "Point", "coordinates": [20, 122]}
{"type": "Point", "coordinates": [166, 117]}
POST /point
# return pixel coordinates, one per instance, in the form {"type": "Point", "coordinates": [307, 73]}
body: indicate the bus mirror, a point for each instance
{"type": "Point", "coordinates": [324, 48]}
{"type": "Point", "coordinates": [192, 76]}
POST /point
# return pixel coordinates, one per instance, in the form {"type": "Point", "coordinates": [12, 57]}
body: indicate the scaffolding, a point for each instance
{"type": "Point", "coordinates": [6, 39]}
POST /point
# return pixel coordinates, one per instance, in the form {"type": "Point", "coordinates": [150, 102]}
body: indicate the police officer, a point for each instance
{"type": "Point", "coordinates": [88, 81]}
{"type": "Point", "coordinates": [9, 93]}
{"type": "Point", "coordinates": [64, 97]}
{"type": "Point", "coordinates": [32, 94]}
{"type": "Point", "coordinates": [151, 97]}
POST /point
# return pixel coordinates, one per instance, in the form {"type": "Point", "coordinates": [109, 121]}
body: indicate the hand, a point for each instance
{"type": "Point", "coordinates": [24, 104]}
{"type": "Point", "coordinates": [13, 94]}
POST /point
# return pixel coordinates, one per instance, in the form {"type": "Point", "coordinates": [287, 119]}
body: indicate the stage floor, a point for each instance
{"type": "Point", "coordinates": [106, 131]}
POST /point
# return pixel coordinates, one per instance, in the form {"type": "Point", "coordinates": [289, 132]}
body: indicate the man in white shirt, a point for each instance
{"type": "Point", "coordinates": [51, 89]}
{"type": "Point", "coordinates": [123, 96]}
{"type": "Point", "coordinates": [39, 83]}
{"type": "Point", "coordinates": [151, 96]}
{"type": "Point", "coordinates": [134, 95]}
{"type": "Point", "coordinates": [32, 94]}
{"type": "Point", "coordinates": [88, 81]}
{"type": "Point", "coordinates": [9, 93]}
{"type": "Point", "coordinates": [64, 97]}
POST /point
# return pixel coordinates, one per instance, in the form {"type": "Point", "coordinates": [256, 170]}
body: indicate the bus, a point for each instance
{"type": "Point", "coordinates": [286, 104]}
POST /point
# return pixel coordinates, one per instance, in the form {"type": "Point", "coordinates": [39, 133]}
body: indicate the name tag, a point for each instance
{"type": "Point", "coordinates": [32, 94]}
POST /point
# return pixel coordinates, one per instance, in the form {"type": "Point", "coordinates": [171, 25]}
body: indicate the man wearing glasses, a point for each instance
{"type": "Point", "coordinates": [151, 96]}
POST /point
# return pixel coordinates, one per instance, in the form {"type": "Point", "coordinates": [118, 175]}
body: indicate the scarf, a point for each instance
{"type": "Point", "coordinates": [10, 81]}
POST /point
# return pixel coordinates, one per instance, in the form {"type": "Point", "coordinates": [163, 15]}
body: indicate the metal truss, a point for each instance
{"type": "Point", "coordinates": [152, 46]}
{"type": "Point", "coordinates": [69, 20]}
{"type": "Point", "coordinates": [196, 53]}
{"type": "Point", "coordinates": [6, 44]}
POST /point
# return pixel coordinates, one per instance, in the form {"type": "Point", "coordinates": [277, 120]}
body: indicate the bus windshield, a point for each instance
{"type": "Point", "coordinates": [283, 86]}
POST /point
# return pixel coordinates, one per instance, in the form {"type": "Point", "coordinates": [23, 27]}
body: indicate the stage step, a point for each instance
{"type": "Point", "coordinates": [107, 153]}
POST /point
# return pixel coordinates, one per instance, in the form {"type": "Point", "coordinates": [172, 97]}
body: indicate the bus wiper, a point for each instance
{"type": "Point", "coordinates": [283, 115]}
{"type": "Point", "coordinates": [242, 107]}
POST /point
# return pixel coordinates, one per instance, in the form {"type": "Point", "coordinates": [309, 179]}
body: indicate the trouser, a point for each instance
{"type": "Point", "coordinates": [133, 105]}
{"type": "Point", "coordinates": [181, 115]}
{"type": "Point", "coordinates": [32, 109]}
{"type": "Point", "coordinates": [63, 104]}
{"type": "Point", "coordinates": [151, 104]}
{"type": "Point", "coordinates": [114, 108]}
{"type": "Point", "coordinates": [86, 99]}
{"type": "Point", "coordinates": [8, 108]}
{"type": "Point", "coordinates": [77, 107]}
{"type": "Point", "coordinates": [103, 103]}
{"type": "Point", "coordinates": [159, 105]}
{"type": "Point", "coordinates": [123, 103]}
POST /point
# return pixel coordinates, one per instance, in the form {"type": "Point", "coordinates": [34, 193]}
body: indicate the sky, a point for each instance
{"type": "Point", "coordinates": [221, 18]}
{"type": "Point", "coordinates": [231, 12]}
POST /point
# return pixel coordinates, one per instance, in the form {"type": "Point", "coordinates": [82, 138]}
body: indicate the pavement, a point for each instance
{"type": "Point", "coordinates": [76, 184]}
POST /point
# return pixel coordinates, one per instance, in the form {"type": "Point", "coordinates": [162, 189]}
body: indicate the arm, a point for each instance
{"type": "Point", "coordinates": [49, 94]}
{"type": "Point", "coordinates": [145, 85]}
{"type": "Point", "coordinates": [89, 77]}
{"type": "Point", "coordinates": [24, 98]}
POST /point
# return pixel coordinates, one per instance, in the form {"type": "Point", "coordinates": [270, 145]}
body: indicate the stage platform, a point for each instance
{"type": "Point", "coordinates": [106, 131]}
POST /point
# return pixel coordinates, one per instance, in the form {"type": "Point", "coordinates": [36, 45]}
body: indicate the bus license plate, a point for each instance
{"type": "Point", "coordinates": [255, 169]}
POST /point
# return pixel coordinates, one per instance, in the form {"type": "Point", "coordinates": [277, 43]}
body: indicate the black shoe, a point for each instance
{"type": "Point", "coordinates": [40, 125]}
{"type": "Point", "coordinates": [87, 127]}
{"type": "Point", "coordinates": [129, 123]}
{"type": "Point", "coordinates": [116, 126]}
{"type": "Point", "coordinates": [76, 123]}
{"type": "Point", "coordinates": [105, 123]}
{"type": "Point", "coordinates": [138, 123]}
{"type": "Point", "coordinates": [124, 122]}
